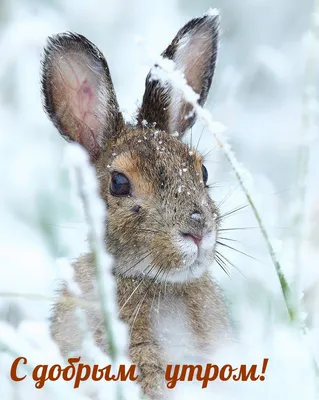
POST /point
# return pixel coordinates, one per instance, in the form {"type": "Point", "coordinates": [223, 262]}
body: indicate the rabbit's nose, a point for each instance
{"type": "Point", "coordinates": [196, 216]}
{"type": "Point", "coordinates": [196, 238]}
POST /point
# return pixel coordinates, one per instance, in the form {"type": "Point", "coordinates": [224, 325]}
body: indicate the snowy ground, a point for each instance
{"type": "Point", "coordinates": [264, 90]}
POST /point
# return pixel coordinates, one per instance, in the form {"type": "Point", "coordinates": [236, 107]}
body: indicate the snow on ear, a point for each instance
{"type": "Point", "coordinates": [78, 92]}
{"type": "Point", "coordinates": [194, 51]}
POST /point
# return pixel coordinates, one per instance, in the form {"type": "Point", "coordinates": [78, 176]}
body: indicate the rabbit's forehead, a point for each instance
{"type": "Point", "coordinates": [158, 157]}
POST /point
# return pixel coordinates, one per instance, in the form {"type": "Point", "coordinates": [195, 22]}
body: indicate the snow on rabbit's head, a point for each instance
{"type": "Point", "coordinates": [161, 220]}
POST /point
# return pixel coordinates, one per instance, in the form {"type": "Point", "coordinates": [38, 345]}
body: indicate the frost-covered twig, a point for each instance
{"type": "Point", "coordinates": [95, 213]}
{"type": "Point", "coordinates": [88, 345]}
{"type": "Point", "coordinates": [67, 300]}
{"type": "Point", "coordinates": [165, 71]}
{"type": "Point", "coordinates": [96, 245]}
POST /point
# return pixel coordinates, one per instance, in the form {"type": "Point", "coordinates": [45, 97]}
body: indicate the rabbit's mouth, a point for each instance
{"type": "Point", "coordinates": [171, 256]}
{"type": "Point", "coordinates": [197, 256]}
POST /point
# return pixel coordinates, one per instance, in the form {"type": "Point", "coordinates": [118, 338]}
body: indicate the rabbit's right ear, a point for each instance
{"type": "Point", "coordinates": [194, 51]}
{"type": "Point", "coordinates": [78, 92]}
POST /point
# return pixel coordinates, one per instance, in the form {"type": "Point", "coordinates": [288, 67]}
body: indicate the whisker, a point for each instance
{"type": "Point", "coordinates": [159, 298]}
{"type": "Point", "coordinates": [238, 251]}
{"type": "Point", "coordinates": [227, 197]}
{"type": "Point", "coordinates": [165, 282]}
{"type": "Point", "coordinates": [145, 255]}
{"type": "Point", "coordinates": [153, 300]}
{"type": "Point", "coordinates": [213, 186]}
{"type": "Point", "coordinates": [233, 211]}
{"type": "Point", "coordinates": [225, 259]}
{"type": "Point", "coordinates": [208, 152]}
{"type": "Point", "coordinates": [146, 292]}
{"type": "Point", "coordinates": [137, 310]}
{"type": "Point", "coordinates": [222, 264]}
{"type": "Point", "coordinates": [231, 240]}
{"type": "Point", "coordinates": [238, 229]}
{"type": "Point", "coordinates": [126, 301]}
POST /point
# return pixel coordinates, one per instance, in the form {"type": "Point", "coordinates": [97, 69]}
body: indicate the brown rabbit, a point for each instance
{"type": "Point", "coordinates": [162, 224]}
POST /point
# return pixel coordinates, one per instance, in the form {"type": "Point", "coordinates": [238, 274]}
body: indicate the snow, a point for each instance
{"type": "Point", "coordinates": [256, 94]}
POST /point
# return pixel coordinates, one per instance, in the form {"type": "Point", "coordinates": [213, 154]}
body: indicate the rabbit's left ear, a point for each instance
{"type": "Point", "coordinates": [194, 51]}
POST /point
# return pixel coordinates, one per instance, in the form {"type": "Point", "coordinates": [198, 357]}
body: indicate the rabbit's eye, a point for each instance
{"type": "Point", "coordinates": [120, 185]}
{"type": "Point", "coordinates": [205, 174]}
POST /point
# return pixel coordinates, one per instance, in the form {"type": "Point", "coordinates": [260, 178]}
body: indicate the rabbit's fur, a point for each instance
{"type": "Point", "coordinates": [164, 291]}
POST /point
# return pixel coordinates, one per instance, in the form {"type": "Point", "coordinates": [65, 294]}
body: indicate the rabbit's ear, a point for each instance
{"type": "Point", "coordinates": [78, 92]}
{"type": "Point", "coordinates": [194, 51]}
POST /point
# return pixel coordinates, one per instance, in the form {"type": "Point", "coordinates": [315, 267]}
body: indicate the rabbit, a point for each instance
{"type": "Point", "coordinates": [162, 224]}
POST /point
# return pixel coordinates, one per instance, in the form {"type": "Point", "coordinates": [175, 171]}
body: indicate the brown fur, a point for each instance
{"type": "Point", "coordinates": [145, 228]}
{"type": "Point", "coordinates": [209, 325]}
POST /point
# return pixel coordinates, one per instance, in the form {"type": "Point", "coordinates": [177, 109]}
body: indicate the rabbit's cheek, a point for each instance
{"type": "Point", "coordinates": [208, 244]}
{"type": "Point", "coordinates": [196, 259]}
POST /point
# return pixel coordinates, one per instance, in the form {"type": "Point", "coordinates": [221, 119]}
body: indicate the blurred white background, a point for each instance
{"type": "Point", "coordinates": [265, 90]}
